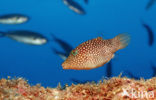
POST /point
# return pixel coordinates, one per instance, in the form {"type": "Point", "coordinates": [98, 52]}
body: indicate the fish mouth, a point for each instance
{"type": "Point", "coordinates": [44, 41]}
{"type": "Point", "coordinates": [65, 65]}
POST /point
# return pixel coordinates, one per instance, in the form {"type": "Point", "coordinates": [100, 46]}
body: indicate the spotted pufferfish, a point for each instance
{"type": "Point", "coordinates": [95, 53]}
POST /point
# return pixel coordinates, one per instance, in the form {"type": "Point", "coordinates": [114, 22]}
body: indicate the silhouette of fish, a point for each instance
{"type": "Point", "coordinates": [153, 69]}
{"type": "Point", "coordinates": [95, 53]}
{"type": "Point", "coordinates": [62, 55]}
{"type": "Point", "coordinates": [109, 69]}
{"type": "Point", "coordinates": [74, 6]}
{"type": "Point", "coordinates": [24, 36]}
{"type": "Point", "coordinates": [80, 82]}
{"type": "Point", "coordinates": [66, 47]}
{"type": "Point", "coordinates": [150, 4]}
{"type": "Point", "coordinates": [131, 75]}
{"type": "Point", "coordinates": [13, 19]}
{"type": "Point", "coordinates": [150, 34]}
{"type": "Point", "coordinates": [86, 1]}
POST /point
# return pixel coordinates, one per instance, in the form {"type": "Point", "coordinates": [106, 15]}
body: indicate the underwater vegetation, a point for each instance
{"type": "Point", "coordinates": [116, 88]}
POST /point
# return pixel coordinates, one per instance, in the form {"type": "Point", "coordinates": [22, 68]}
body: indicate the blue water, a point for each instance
{"type": "Point", "coordinates": [39, 64]}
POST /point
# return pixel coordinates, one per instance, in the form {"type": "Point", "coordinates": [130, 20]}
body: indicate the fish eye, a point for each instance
{"type": "Point", "coordinates": [74, 52]}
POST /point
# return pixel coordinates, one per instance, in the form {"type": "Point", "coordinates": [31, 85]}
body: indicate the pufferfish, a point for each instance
{"type": "Point", "coordinates": [95, 53]}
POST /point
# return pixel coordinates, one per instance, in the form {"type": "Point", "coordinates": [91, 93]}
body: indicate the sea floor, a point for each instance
{"type": "Point", "coordinates": [116, 88]}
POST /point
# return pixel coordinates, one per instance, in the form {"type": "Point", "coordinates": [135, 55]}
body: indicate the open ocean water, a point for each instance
{"type": "Point", "coordinates": [106, 18]}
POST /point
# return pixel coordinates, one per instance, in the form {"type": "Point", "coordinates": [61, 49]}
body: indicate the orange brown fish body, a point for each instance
{"type": "Point", "coordinates": [95, 53]}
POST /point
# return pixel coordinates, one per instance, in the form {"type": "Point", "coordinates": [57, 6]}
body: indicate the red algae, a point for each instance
{"type": "Point", "coordinates": [116, 88]}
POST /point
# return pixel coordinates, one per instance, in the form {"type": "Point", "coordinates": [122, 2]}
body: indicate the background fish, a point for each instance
{"type": "Point", "coordinates": [153, 69]}
{"type": "Point", "coordinates": [150, 4]}
{"type": "Point", "coordinates": [65, 46]}
{"type": "Point", "coordinates": [131, 75]}
{"type": "Point", "coordinates": [74, 6]}
{"type": "Point", "coordinates": [95, 53]}
{"type": "Point", "coordinates": [86, 1]}
{"type": "Point", "coordinates": [13, 19]}
{"type": "Point", "coordinates": [62, 55]}
{"type": "Point", "coordinates": [150, 34]}
{"type": "Point", "coordinates": [27, 37]}
{"type": "Point", "coordinates": [109, 69]}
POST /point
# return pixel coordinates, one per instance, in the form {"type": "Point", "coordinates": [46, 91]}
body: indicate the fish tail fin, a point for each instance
{"type": "Point", "coordinates": [122, 40]}
{"type": "Point", "coordinates": [2, 34]}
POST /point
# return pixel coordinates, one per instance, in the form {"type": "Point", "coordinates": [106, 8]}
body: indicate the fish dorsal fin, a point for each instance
{"type": "Point", "coordinates": [99, 38]}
